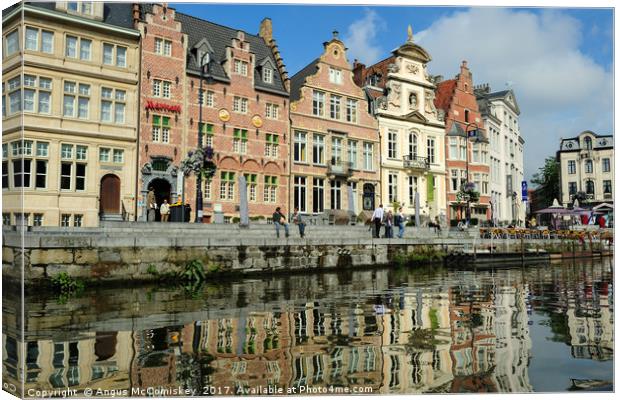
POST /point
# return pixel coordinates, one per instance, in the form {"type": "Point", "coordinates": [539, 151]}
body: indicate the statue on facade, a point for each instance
{"type": "Point", "coordinates": [409, 34]}
{"type": "Point", "coordinates": [393, 68]}
{"type": "Point", "coordinates": [429, 105]}
{"type": "Point", "coordinates": [382, 102]}
{"type": "Point", "coordinates": [147, 168]}
{"type": "Point", "coordinates": [413, 100]}
{"type": "Point", "coordinates": [394, 94]}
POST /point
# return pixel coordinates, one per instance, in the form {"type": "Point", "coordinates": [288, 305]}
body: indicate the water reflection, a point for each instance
{"type": "Point", "coordinates": [392, 331]}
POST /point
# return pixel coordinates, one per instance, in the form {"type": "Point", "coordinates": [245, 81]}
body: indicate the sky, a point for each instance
{"type": "Point", "coordinates": [558, 61]}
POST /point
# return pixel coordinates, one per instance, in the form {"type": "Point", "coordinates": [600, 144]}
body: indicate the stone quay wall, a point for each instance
{"type": "Point", "coordinates": [124, 255]}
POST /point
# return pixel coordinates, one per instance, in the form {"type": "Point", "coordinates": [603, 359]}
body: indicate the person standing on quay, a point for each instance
{"type": "Point", "coordinates": [377, 218]}
{"type": "Point", "coordinates": [389, 225]}
{"type": "Point", "coordinates": [399, 220]}
{"type": "Point", "coordinates": [280, 219]}
{"type": "Point", "coordinates": [164, 210]}
{"type": "Point", "coordinates": [152, 205]}
{"type": "Point", "coordinates": [298, 220]}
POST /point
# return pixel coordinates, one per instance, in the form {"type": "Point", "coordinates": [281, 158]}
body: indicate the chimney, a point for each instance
{"type": "Point", "coordinates": [136, 13]}
{"type": "Point", "coordinates": [358, 73]}
{"type": "Point", "coordinates": [266, 30]}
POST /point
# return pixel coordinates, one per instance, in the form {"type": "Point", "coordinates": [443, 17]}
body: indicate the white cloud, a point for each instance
{"type": "Point", "coordinates": [361, 38]}
{"type": "Point", "coordinates": [560, 90]}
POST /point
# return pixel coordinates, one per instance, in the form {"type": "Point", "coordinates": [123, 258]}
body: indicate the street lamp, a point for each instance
{"type": "Point", "coordinates": [205, 58]}
{"type": "Point", "coordinates": [474, 135]}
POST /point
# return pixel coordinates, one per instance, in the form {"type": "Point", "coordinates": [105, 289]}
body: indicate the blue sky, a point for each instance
{"type": "Point", "coordinates": [559, 61]}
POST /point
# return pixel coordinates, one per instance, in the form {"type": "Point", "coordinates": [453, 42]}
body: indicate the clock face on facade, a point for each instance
{"type": "Point", "coordinates": [603, 142]}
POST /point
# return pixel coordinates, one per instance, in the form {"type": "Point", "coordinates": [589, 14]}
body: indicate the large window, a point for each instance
{"type": "Point", "coordinates": [15, 94]}
{"type": "Point", "coordinates": [352, 150]}
{"type": "Point", "coordinates": [12, 43]}
{"type": "Point", "coordinates": [113, 105]}
{"type": "Point", "coordinates": [73, 167]}
{"type": "Point", "coordinates": [392, 144]}
{"type": "Point", "coordinates": [334, 106]}
{"type": "Point", "coordinates": [161, 88]}
{"type": "Point", "coordinates": [606, 165]}
{"type": "Point", "coordinates": [318, 195]}
{"type": "Point", "coordinates": [351, 110]}
{"type": "Point", "coordinates": [430, 150]}
{"type": "Point", "coordinates": [251, 186]}
{"type": "Point", "coordinates": [413, 144]}
{"type": "Point", "coordinates": [413, 188]}
{"type": "Point", "coordinates": [37, 94]}
{"type": "Point", "coordinates": [318, 149]}
{"type": "Point", "coordinates": [270, 193]}
{"type": "Point", "coordinates": [271, 145]}
{"type": "Point", "coordinates": [368, 156]}
{"type": "Point", "coordinates": [335, 195]}
{"type": "Point", "coordinates": [227, 185]}
{"type": "Point", "coordinates": [240, 105]}
{"type": "Point", "coordinates": [163, 47]}
{"type": "Point", "coordinates": [318, 103]}
{"type": "Point", "coordinates": [76, 100]}
{"type": "Point", "coordinates": [607, 186]}
{"type": "Point", "coordinates": [299, 192]}
{"type": "Point", "coordinates": [572, 167]}
{"type": "Point", "coordinates": [299, 147]}
{"type": "Point", "coordinates": [589, 167]}
{"type": "Point", "coordinates": [77, 47]}
{"type": "Point", "coordinates": [240, 141]}
{"type": "Point", "coordinates": [590, 186]}
{"type": "Point", "coordinates": [392, 187]}
{"type": "Point", "coordinates": [336, 150]}
{"type": "Point", "coordinates": [453, 149]}
{"type": "Point", "coordinates": [572, 188]}
{"type": "Point", "coordinates": [114, 55]}
{"type": "Point", "coordinates": [161, 129]}
{"type": "Point", "coordinates": [240, 67]}
{"type": "Point", "coordinates": [39, 40]}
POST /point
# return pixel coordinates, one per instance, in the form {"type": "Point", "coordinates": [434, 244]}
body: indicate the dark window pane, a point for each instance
{"type": "Point", "coordinates": [17, 173]}
{"type": "Point", "coordinates": [41, 174]}
{"type": "Point", "coordinates": [5, 175]}
{"type": "Point", "coordinates": [27, 164]}
{"type": "Point", "coordinates": [65, 176]}
{"type": "Point", "coordinates": [80, 176]}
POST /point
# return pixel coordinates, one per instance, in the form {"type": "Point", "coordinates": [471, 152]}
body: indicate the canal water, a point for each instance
{"type": "Point", "coordinates": [546, 328]}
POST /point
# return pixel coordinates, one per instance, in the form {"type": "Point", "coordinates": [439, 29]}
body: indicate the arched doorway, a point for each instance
{"type": "Point", "coordinates": [161, 187]}
{"type": "Point", "coordinates": [110, 195]}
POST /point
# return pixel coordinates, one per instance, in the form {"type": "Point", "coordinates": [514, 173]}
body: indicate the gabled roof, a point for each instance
{"type": "Point", "coordinates": [503, 95]}
{"type": "Point", "coordinates": [299, 79]}
{"type": "Point", "coordinates": [444, 93]}
{"type": "Point", "coordinates": [220, 37]}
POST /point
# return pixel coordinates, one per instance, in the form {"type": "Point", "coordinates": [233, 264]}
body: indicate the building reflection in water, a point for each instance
{"type": "Point", "coordinates": [459, 334]}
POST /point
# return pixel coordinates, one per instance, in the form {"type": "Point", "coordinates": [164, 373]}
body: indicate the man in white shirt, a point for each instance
{"type": "Point", "coordinates": [377, 218]}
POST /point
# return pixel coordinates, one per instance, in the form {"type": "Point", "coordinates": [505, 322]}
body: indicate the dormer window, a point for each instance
{"type": "Point", "coordinates": [267, 75]}
{"type": "Point", "coordinates": [588, 143]}
{"type": "Point", "coordinates": [83, 7]}
{"type": "Point", "coordinates": [374, 79]}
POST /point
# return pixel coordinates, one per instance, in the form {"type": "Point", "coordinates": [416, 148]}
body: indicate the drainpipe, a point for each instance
{"type": "Point", "coordinates": [138, 122]}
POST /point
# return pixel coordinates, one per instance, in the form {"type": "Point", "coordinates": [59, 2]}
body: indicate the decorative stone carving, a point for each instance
{"type": "Point", "coordinates": [441, 115]}
{"type": "Point", "coordinates": [413, 100]}
{"type": "Point", "coordinates": [394, 94]}
{"type": "Point", "coordinates": [147, 169]}
{"type": "Point", "coordinates": [174, 171]}
{"type": "Point", "coordinates": [382, 102]}
{"type": "Point", "coordinates": [413, 68]}
{"type": "Point", "coordinates": [429, 105]}
{"type": "Point", "coordinates": [393, 68]}
{"type": "Point", "coordinates": [426, 75]}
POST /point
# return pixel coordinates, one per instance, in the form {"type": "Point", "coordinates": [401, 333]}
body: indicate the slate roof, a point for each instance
{"type": "Point", "coordinates": [298, 80]}
{"type": "Point", "coordinates": [117, 14]}
{"type": "Point", "coordinates": [219, 37]}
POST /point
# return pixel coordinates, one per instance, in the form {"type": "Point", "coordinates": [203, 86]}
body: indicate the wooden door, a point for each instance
{"type": "Point", "coordinates": [110, 194]}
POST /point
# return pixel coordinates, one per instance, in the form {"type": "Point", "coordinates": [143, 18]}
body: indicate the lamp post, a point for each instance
{"type": "Point", "coordinates": [203, 63]}
{"type": "Point", "coordinates": [475, 131]}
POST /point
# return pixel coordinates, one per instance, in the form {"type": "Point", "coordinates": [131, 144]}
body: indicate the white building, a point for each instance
{"type": "Point", "coordinates": [587, 167]}
{"type": "Point", "coordinates": [401, 94]}
{"type": "Point", "coordinates": [500, 113]}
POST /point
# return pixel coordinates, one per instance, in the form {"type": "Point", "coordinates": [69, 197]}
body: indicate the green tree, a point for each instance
{"type": "Point", "coordinates": [548, 180]}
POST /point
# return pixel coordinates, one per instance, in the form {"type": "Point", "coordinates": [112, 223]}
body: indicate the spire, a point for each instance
{"type": "Point", "coordinates": [409, 34]}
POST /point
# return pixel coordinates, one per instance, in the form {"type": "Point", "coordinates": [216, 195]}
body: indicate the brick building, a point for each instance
{"type": "Point", "coordinates": [244, 115]}
{"type": "Point", "coordinates": [335, 140]}
{"type": "Point", "coordinates": [464, 153]}
{"type": "Point", "coordinates": [400, 93]}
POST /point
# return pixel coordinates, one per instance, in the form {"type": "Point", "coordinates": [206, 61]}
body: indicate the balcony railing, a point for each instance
{"type": "Point", "coordinates": [339, 167]}
{"type": "Point", "coordinates": [415, 162]}
{"type": "Point", "coordinates": [607, 196]}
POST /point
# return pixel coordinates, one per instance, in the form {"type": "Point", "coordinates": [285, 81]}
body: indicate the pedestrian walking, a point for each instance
{"type": "Point", "coordinates": [377, 218]}
{"type": "Point", "coordinates": [399, 220]}
{"type": "Point", "coordinates": [298, 220]}
{"type": "Point", "coordinates": [164, 210]}
{"type": "Point", "coordinates": [389, 224]}
{"type": "Point", "coordinates": [280, 220]}
{"type": "Point", "coordinates": [151, 204]}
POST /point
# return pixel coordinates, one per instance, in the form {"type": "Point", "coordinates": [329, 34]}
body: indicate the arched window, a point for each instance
{"type": "Point", "coordinates": [588, 143]}
{"type": "Point", "coordinates": [590, 186]}
{"type": "Point", "coordinates": [413, 144]}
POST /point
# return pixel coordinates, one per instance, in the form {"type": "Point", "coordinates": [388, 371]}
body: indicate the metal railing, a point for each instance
{"type": "Point", "coordinates": [416, 162]}
{"type": "Point", "coordinates": [339, 167]}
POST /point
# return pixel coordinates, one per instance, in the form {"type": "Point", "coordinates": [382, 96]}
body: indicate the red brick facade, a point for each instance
{"type": "Point", "coordinates": [456, 97]}
{"type": "Point", "coordinates": [239, 122]}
